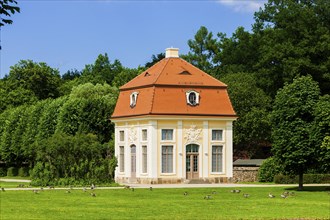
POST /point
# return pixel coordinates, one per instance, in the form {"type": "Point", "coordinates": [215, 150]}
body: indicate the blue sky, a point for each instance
{"type": "Point", "coordinates": [70, 34]}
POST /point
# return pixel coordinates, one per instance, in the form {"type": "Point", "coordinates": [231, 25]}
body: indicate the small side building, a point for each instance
{"type": "Point", "coordinates": [173, 124]}
{"type": "Point", "coordinates": [246, 170]}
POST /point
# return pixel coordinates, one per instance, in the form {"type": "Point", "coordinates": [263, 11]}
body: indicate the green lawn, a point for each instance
{"type": "Point", "coordinates": [166, 204]}
{"type": "Point", "coordinates": [13, 184]}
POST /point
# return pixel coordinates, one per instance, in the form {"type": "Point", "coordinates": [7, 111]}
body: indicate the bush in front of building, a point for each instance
{"type": "Point", "coordinates": [12, 171]}
{"type": "Point", "coordinates": [268, 169]}
{"type": "Point", "coordinates": [72, 160]}
{"type": "Point", "coordinates": [308, 178]}
{"type": "Point", "coordinates": [23, 171]}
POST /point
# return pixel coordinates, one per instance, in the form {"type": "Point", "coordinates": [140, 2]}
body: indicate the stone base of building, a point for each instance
{"type": "Point", "coordinates": [125, 180]}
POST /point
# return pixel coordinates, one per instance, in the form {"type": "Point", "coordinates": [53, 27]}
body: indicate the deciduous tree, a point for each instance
{"type": "Point", "coordinates": [292, 126]}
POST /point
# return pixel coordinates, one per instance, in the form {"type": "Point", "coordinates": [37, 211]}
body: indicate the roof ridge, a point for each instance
{"type": "Point", "coordinates": [152, 99]}
{"type": "Point", "coordinates": [168, 59]}
{"type": "Point", "coordinates": [208, 75]}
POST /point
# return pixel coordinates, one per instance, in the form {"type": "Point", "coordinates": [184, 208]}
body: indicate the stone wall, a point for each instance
{"type": "Point", "coordinates": [245, 174]}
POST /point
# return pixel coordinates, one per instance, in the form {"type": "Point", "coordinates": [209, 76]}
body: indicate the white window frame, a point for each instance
{"type": "Point", "coordinates": [173, 159]}
{"type": "Point", "coordinates": [121, 132]}
{"type": "Point", "coordinates": [133, 99]}
{"type": "Point", "coordinates": [223, 159]}
{"type": "Point", "coordinates": [166, 140]}
{"type": "Point", "coordinates": [197, 97]}
{"type": "Point", "coordinates": [223, 134]}
{"type": "Point", "coordinates": [144, 129]}
{"type": "Point", "coordinates": [121, 159]}
{"type": "Point", "coordinates": [144, 159]}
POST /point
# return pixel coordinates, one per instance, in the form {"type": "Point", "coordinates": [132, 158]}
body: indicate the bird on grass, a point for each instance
{"type": "Point", "coordinates": [67, 191]}
{"type": "Point", "coordinates": [93, 194]}
{"type": "Point", "coordinates": [283, 196]}
{"type": "Point", "coordinates": [150, 188]}
{"type": "Point", "coordinates": [208, 197]}
{"type": "Point", "coordinates": [246, 195]}
{"type": "Point", "coordinates": [237, 190]}
{"type": "Point", "coordinates": [185, 193]}
{"type": "Point", "coordinates": [232, 191]}
{"type": "Point", "coordinates": [92, 186]}
{"type": "Point", "coordinates": [3, 189]}
{"type": "Point", "coordinates": [271, 195]}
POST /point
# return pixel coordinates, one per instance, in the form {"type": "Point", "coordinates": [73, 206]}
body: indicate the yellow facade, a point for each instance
{"type": "Point", "coordinates": [195, 132]}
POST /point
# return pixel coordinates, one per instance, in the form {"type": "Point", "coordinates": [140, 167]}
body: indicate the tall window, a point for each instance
{"type": "Point", "coordinates": [217, 135]}
{"type": "Point", "coordinates": [167, 134]}
{"type": "Point", "coordinates": [144, 159]}
{"type": "Point", "coordinates": [121, 136]}
{"type": "Point", "coordinates": [121, 159]}
{"type": "Point", "coordinates": [167, 159]}
{"type": "Point", "coordinates": [144, 134]}
{"type": "Point", "coordinates": [217, 158]}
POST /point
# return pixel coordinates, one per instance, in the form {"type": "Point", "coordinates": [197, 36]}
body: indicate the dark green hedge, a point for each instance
{"type": "Point", "coordinates": [12, 171]}
{"type": "Point", "coordinates": [3, 171]}
{"type": "Point", "coordinates": [308, 178]}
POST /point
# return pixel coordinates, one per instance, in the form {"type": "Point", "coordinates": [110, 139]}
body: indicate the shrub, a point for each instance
{"type": "Point", "coordinates": [284, 179]}
{"type": "Point", "coordinates": [268, 169]}
{"type": "Point", "coordinates": [308, 178]}
{"type": "Point", "coordinates": [12, 171]}
{"type": "Point", "coordinates": [23, 171]}
{"type": "Point", "coordinates": [3, 171]}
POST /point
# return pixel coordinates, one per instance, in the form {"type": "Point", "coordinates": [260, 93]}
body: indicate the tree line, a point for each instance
{"type": "Point", "coordinates": [278, 77]}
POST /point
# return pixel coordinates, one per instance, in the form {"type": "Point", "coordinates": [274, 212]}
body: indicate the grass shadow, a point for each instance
{"type": "Point", "coordinates": [311, 188]}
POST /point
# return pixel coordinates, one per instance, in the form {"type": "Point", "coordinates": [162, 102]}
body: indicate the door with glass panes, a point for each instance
{"type": "Point", "coordinates": [192, 157]}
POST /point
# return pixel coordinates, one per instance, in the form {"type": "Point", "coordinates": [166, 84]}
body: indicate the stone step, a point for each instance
{"type": "Point", "coordinates": [198, 181]}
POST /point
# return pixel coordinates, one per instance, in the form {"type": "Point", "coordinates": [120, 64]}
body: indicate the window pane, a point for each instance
{"type": "Point", "coordinates": [121, 158]}
{"type": "Point", "coordinates": [217, 158]}
{"type": "Point", "coordinates": [144, 159]}
{"type": "Point", "coordinates": [167, 159]}
{"type": "Point", "coordinates": [167, 134]}
{"type": "Point", "coordinates": [121, 135]}
{"type": "Point", "coordinates": [144, 135]}
{"type": "Point", "coordinates": [217, 135]}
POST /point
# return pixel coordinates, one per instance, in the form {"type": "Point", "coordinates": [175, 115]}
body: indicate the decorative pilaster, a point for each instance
{"type": "Point", "coordinates": [205, 153]}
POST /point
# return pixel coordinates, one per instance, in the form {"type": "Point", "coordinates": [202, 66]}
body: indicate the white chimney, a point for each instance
{"type": "Point", "coordinates": [172, 52]}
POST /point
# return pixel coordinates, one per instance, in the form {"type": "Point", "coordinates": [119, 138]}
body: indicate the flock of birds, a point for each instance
{"type": "Point", "coordinates": [284, 195]}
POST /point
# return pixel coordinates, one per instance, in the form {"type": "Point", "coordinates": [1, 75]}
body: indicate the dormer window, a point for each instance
{"type": "Point", "coordinates": [133, 99]}
{"type": "Point", "coordinates": [192, 98]}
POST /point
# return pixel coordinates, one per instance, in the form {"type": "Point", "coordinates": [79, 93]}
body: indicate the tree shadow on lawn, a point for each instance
{"type": "Point", "coordinates": [311, 188]}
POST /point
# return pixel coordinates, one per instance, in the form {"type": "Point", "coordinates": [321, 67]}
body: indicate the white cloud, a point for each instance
{"type": "Point", "coordinates": [243, 5]}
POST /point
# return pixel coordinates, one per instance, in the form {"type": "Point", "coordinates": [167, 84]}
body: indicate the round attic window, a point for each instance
{"type": "Point", "coordinates": [192, 98]}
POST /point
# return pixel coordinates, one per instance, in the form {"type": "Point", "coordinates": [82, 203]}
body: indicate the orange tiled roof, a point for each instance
{"type": "Point", "coordinates": [162, 91]}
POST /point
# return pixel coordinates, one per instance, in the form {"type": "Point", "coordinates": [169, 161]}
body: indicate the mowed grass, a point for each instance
{"type": "Point", "coordinates": [166, 204]}
{"type": "Point", "coordinates": [13, 184]}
